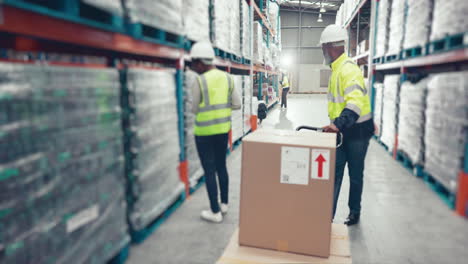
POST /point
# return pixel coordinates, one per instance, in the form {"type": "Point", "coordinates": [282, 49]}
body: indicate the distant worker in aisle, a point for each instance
{"type": "Point", "coordinates": [350, 113]}
{"type": "Point", "coordinates": [214, 97]}
{"type": "Point", "coordinates": [285, 90]}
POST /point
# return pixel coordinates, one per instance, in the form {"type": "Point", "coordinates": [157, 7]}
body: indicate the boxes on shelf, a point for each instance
{"type": "Point", "coordinates": [196, 18]}
{"type": "Point", "coordinates": [418, 23]}
{"type": "Point", "coordinates": [339, 16]}
{"type": "Point", "coordinates": [234, 20]}
{"type": "Point", "coordinates": [363, 46]}
{"type": "Point", "coordinates": [449, 18]}
{"type": "Point", "coordinates": [247, 103]}
{"type": "Point", "coordinates": [191, 153]}
{"type": "Point", "coordinates": [152, 143]}
{"type": "Point", "coordinates": [62, 195]}
{"type": "Point", "coordinates": [258, 53]}
{"type": "Point", "coordinates": [390, 110]}
{"type": "Point", "coordinates": [287, 177]}
{"type": "Point", "coordinates": [383, 22]}
{"type": "Point", "coordinates": [273, 15]}
{"type": "Point", "coordinates": [237, 115]}
{"type": "Point", "coordinates": [446, 127]}
{"type": "Point", "coordinates": [162, 14]}
{"type": "Point", "coordinates": [411, 120]}
{"type": "Point", "coordinates": [378, 107]}
{"type": "Point", "coordinates": [246, 28]}
{"type": "Point", "coordinates": [227, 16]}
{"type": "Point", "coordinates": [396, 33]}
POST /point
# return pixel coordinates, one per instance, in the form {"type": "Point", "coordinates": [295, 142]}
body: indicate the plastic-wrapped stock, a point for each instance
{"type": "Point", "coordinates": [222, 21]}
{"type": "Point", "coordinates": [273, 15]}
{"type": "Point", "coordinates": [418, 23]}
{"type": "Point", "coordinates": [61, 165]}
{"type": "Point", "coordinates": [152, 142]}
{"type": "Point", "coordinates": [162, 14]}
{"type": "Point", "coordinates": [112, 6]}
{"type": "Point", "coordinates": [194, 165]}
{"type": "Point", "coordinates": [246, 31]}
{"type": "Point", "coordinates": [411, 120]}
{"type": "Point", "coordinates": [389, 110]}
{"type": "Point", "coordinates": [339, 16]}
{"type": "Point", "coordinates": [237, 115]}
{"type": "Point", "coordinates": [446, 126]}
{"type": "Point", "coordinates": [196, 19]}
{"type": "Point", "coordinates": [449, 18]}
{"type": "Point", "coordinates": [397, 19]}
{"type": "Point", "coordinates": [379, 90]}
{"type": "Point", "coordinates": [382, 28]}
{"type": "Point", "coordinates": [247, 102]}
{"type": "Point", "coordinates": [258, 43]}
{"type": "Point", "coordinates": [234, 20]}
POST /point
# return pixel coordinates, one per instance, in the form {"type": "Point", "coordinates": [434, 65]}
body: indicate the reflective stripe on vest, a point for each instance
{"type": "Point", "coordinates": [214, 111]}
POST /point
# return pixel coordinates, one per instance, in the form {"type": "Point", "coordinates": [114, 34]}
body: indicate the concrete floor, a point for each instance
{"type": "Point", "coordinates": [402, 221]}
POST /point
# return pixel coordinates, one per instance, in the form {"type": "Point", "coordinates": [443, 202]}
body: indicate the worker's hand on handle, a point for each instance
{"type": "Point", "coordinates": [331, 129]}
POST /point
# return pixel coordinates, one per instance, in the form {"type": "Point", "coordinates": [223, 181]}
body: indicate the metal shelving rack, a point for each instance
{"type": "Point", "coordinates": [34, 31]}
{"type": "Point", "coordinates": [269, 34]}
{"type": "Point", "coordinates": [445, 60]}
{"type": "Point", "coordinates": [358, 26]}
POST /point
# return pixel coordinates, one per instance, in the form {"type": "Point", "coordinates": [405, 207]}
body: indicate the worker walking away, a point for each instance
{"type": "Point", "coordinates": [350, 113]}
{"type": "Point", "coordinates": [214, 96]}
{"type": "Point", "coordinates": [285, 90]}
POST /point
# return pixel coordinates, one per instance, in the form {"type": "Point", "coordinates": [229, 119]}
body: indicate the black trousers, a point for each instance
{"type": "Point", "coordinates": [352, 152]}
{"type": "Point", "coordinates": [284, 97]}
{"type": "Point", "coordinates": [212, 153]}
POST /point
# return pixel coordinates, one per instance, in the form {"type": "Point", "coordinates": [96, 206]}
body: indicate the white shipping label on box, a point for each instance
{"type": "Point", "coordinates": [320, 164]}
{"type": "Point", "coordinates": [295, 165]}
{"type": "Point", "coordinates": [82, 218]}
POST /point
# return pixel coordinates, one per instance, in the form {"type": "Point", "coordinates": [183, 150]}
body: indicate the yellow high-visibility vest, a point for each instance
{"type": "Point", "coordinates": [346, 89]}
{"type": "Point", "coordinates": [285, 82]}
{"type": "Point", "coordinates": [214, 110]}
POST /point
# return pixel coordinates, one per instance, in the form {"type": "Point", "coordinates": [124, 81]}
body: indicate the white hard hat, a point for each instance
{"type": "Point", "coordinates": [202, 50]}
{"type": "Point", "coordinates": [333, 33]}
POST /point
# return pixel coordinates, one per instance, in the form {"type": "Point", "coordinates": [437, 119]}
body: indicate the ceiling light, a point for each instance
{"type": "Point", "coordinates": [322, 10]}
{"type": "Point", "coordinates": [320, 18]}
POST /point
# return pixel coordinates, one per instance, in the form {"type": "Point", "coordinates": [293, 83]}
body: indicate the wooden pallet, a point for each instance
{"type": "Point", "coordinates": [139, 236]}
{"type": "Point", "coordinates": [444, 194]}
{"type": "Point", "coordinates": [156, 35]}
{"type": "Point", "coordinates": [448, 43]}
{"type": "Point", "coordinates": [73, 10]}
{"type": "Point", "coordinates": [414, 52]}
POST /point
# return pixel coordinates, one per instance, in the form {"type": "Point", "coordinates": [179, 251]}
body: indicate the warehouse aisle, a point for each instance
{"type": "Point", "coordinates": [402, 222]}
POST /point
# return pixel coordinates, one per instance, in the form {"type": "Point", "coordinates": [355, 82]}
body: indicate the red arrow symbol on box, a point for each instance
{"type": "Point", "coordinates": [320, 159]}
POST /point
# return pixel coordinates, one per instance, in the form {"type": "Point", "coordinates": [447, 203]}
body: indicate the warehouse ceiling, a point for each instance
{"type": "Point", "coordinates": [329, 5]}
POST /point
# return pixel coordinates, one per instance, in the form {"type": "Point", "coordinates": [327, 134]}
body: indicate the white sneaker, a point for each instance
{"type": "Point", "coordinates": [209, 216]}
{"type": "Point", "coordinates": [224, 208]}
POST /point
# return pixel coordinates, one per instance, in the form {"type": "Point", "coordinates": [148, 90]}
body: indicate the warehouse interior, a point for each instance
{"type": "Point", "coordinates": [106, 131]}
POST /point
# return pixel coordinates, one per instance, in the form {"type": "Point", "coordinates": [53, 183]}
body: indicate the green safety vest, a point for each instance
{"type": "Point", "coordinates": [214, 110]}
{"type": "Point", "coordinates": [285, 82]}
{"type": "Point", "coordinates": [346, 89]}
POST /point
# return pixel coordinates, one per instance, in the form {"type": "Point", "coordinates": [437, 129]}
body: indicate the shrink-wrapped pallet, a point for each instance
{"type": "Point", "coordinates": [411, 120]}
{"type": "Point", "coordinates": [390, 110]}
{"type": "Point", "coordinates": [161, 14]}
{"type": "Point", "coordinates": [446, 127]}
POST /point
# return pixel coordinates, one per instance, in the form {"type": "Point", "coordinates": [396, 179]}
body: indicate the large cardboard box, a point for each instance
{"type": "Point", "coordinates": [287, 191]}
{"type": "Point", "coordinates": [340, 252]}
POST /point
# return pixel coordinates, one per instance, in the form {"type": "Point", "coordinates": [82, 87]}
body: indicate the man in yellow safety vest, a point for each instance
{"type": "Point", "coordinates": [350, 113]}
{"type": "Point", "coordinates": [285, 90]}
{"type": "Point", "coordinates": [214, 95]}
